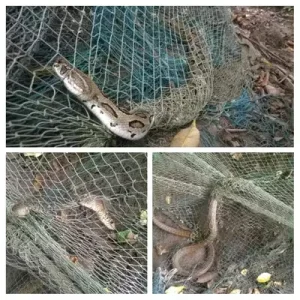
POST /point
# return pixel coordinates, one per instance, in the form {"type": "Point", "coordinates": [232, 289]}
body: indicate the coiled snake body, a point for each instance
{"type": "Point", "coordinates": [120, 122]}
{"type": "Point", "coordinates": [197, 259]}
{"type": "Point", "coordinates": [180, 232]}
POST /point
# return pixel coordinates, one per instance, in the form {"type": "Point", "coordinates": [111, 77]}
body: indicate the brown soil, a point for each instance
{"type": "Point", "coordinates": [270, 33]}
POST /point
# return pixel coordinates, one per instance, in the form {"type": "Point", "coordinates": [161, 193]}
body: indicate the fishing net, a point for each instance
{"type": "Point", "coordinates": [170, 61]}
{"type": "Point", "coordinates": [254, 219]}
{"type": "Point", "coordinates": [57, 243]}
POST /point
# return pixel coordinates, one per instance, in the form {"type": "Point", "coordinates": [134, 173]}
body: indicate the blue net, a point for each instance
{"type": "Point", "coordinates": [143, 56]}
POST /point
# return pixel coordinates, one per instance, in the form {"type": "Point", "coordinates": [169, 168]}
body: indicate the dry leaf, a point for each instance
{"type": "Point", "coordinates": [38, 182]}
{"type": "Point", "coordinates": [256, 291]}
{"type": "Point", "coordinates": [187, 137]}
{"type": "Point", "coordinates": [271, 90]}
{"type": "Point", "coordinates": [74, 259]}
{"type": "Point", "coordinates": [264, 78]}
{"type": "Point", "coordinates": [263, 278]}
{"type": "Point", "coordinates": [236, 291]}
{"type": "Point", "coordinates": [132, 238]}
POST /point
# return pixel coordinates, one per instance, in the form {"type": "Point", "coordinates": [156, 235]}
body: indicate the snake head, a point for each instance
{"type": "Point", "coordinates": [110, 224]}
{"type": "Point", "coordinates": [62, 67]}
{"type": "Point", "coordinates": [20, 210]}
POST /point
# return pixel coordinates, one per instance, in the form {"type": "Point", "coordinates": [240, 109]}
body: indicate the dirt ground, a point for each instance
{"type": "Point", "coordinates": [271, 32]}
{"type": "Point", "coordinates": [268, 33]}
{"type": "Point", "coordinates": [273, 27]}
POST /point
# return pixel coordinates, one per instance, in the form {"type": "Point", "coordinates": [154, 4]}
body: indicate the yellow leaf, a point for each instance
{"type": "Point", "coordinates": [168, 199]}
{"type": "Point", "coordinates": [175, 289]}
{"type": "Point", "coordinates": [263, 278]}
{"type": "Point", "coordinates": [187, 137]}
{"type": "Point", "coordinates": [107, 290]}
{"type": "Point", "coordinates": [244, 272]}
{"type": "Point", "coordinates": [236, 291]}
{"type": "Point", "coordinates": [143, 217]}
{"type": "Point", "coordinates": [34, 154]}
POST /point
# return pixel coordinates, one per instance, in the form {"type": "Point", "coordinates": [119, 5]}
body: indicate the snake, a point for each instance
{"type": "Point", "coordinates": [202, 252]}
{"type": "Point", "coordinates": [169, 229]}
{"type": "Point", "coordinates": [130, 126]}
{"type": "Point", "coordinates": [97, 204]}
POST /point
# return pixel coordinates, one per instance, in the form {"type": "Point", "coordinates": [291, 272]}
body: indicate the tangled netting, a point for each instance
{"type": "Point", "coordinates": [254, 218]}
{"type": "Point", "coordinates": [56, 243]}
{"type": "Point", "coordinates": [170, 61]}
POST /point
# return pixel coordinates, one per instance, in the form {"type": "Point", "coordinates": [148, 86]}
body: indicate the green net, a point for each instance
{"type": "Point", "coordinates": [170, 61]}
{"type": "Point", "coordinates": [60, 211]}
{"type": "Point", "coordinates": [254, 217]}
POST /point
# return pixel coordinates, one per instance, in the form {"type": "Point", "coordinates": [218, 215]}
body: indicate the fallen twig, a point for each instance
{"type": "Point", "coordinates": [259, 44]}
{"type": "Point", "coordinates": [284, 72]}
{"type": "Point", "coordinates": [270, 52]}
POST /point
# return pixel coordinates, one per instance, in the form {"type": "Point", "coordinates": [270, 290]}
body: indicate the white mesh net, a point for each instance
{"type": "Point", "coordinates": [254, 218]}
{"type": "Point", "coordinates": [76, 223]}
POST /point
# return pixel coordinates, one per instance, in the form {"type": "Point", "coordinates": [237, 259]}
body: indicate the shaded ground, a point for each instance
{"type": "Point", "coordinates": [265, 119]}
